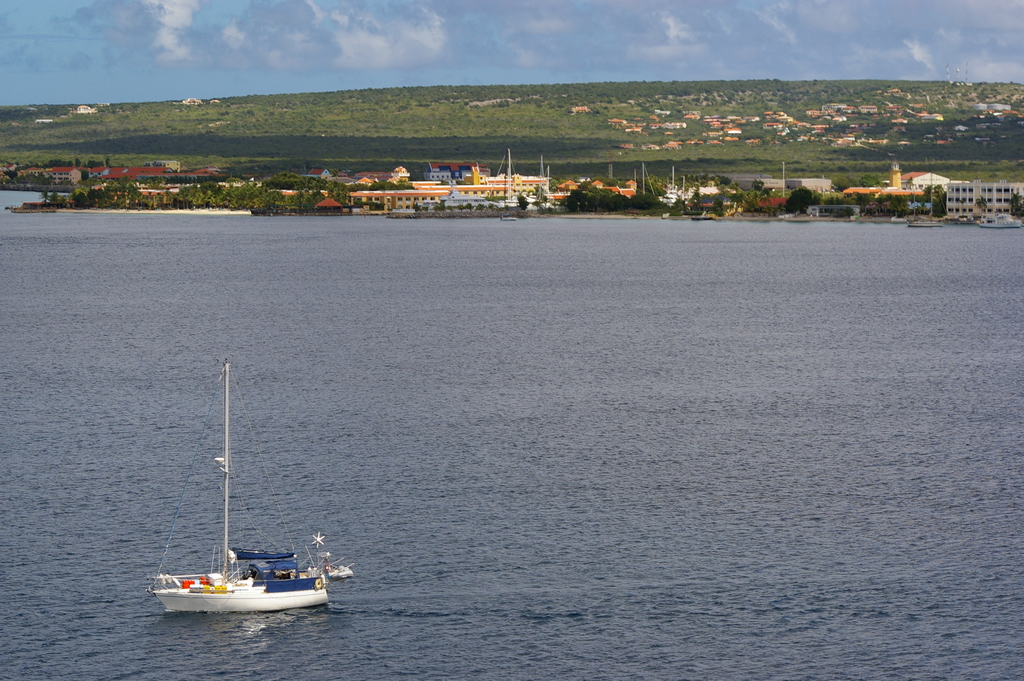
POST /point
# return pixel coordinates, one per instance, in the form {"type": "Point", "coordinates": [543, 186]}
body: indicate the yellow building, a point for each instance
{"type": "Point", "coordinates": [520, 183]}
{"type": "Point", "coordinates": [401, 199]}
{"type": "Point", "coordinates": [895, 176]}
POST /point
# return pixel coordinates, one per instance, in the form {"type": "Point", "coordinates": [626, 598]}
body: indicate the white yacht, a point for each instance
{"type": "Point", "coordinates": [999, 221]}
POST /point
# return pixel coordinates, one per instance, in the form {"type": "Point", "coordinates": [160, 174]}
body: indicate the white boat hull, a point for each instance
{"type": "Point", "coordinates": [180, 600]}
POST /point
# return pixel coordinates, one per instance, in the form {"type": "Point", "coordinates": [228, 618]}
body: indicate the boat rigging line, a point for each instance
{"type": "Point", "coordinates": [195, 457]}
{"type": "Point", "coordinates": [266, 473]}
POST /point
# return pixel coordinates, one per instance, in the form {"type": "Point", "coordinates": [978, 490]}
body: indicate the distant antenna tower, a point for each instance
{"type": "Point", "coordinates": [967, 71]}
{"type": "Point", "coordinates": [958, 74]}
{"type": "Point", "coordinates": [947, 72]}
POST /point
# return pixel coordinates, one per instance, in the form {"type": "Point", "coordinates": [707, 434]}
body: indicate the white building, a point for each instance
{"type": "Point", "coordinates": [832, 211]}
{"type": "Point", "coordinates": [457, 198]}
{"type": "Point", "coordinates": [962, 198]}
{"type": "Point", "coordinates": [448, 172]}
{"type": "Point", "coordinates": [815, 184]}
{"type": "Point", "coordinates": [918, 181]}
{"type": "Point", "coordinates": [745, 181]}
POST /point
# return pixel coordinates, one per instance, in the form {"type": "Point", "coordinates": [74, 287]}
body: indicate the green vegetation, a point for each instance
{"type": "Point", "coordinates": [234, 194]}
{"type": "Point", "coordinates": [591, 200]}
{"type": "Point", "coordinates": [379, 129]}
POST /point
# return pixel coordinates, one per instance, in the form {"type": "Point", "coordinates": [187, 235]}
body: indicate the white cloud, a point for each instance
{"type": "Point", "coordinates": [675, 41]}
{"type": "Point", "coordinates": [776, 16]}
{"type": "Point", "coordinates": [318, 12]}
{"type": "Point", "coordinates": [174, 18]}
{"type": "Point", "coordinates": [920, 53]}
{"type": "Point", "coordinates": [363, 41]}
{"type": "Point", "coordinates": [985, 70]}
{"type": "Point", "coordinates": [833, 16]}
{"type": "Point", "coordinates": [675, 30]}
{"type": "Point", "coordinates": [233, 35]}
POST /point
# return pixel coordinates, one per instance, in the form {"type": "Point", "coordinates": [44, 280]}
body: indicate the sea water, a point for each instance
{"type": "Point", "coordinates": [556, 448]}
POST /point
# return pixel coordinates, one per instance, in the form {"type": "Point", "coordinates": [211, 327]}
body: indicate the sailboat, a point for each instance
{"type": "Point", "coordinates": [249, 579]}
{"type": "Point", "coordinates": [511, 201]}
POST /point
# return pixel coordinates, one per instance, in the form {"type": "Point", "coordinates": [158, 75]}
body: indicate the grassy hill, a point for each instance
{"type": "Point", "coordinates": [378, 129]}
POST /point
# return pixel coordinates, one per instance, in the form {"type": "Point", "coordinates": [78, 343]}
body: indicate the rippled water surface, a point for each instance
{"type": "Point", "coordinates": [593, 449]}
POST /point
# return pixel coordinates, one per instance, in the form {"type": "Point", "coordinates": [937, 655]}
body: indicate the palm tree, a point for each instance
{"type": "Point", "coordinates": [1016, 204]}
{"type": "Point", "coordinates": [898, 204]}
{"type": "Point", "coordinates": [981, 204]}
{"type": "Point", "coordinates": [751, 202]}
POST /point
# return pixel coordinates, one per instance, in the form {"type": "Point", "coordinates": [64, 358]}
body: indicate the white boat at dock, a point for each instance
{"type": "Point", "coordinates": [999, 221]}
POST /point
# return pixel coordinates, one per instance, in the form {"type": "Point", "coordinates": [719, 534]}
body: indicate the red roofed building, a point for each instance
{"type": "Point", "coordinates": [145, 172]}
{"type": "Point", "coordinates": [64, 175]}
{"type": "Point", "coordinates": [921, 180]}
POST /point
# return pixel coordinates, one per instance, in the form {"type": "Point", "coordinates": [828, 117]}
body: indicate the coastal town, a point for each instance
{"type": "Point", "coordinates": [471, 186]}
{"type": "Point", "coordinates": [895, 121]}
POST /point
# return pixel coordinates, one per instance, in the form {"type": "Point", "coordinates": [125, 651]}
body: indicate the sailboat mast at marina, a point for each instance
{"type": "Point", "coordinates": [511, 201]}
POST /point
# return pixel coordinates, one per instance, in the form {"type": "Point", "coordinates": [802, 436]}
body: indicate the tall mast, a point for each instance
{"type": "Point", "coordinates": [227, 458]}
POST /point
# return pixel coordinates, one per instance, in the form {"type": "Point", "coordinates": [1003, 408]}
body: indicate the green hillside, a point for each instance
{"type": "Point", "coordinates": [378, 129]}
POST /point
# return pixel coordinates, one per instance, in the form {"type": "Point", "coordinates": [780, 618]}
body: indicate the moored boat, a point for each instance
{"type": "Point", "coordinates": [999, 221]}
{"type": "Point", "coordinates": [249, 579]}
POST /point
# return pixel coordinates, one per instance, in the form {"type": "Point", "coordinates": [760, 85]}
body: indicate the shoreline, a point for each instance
{"type": "Point", "coordinates": [183, 211]}
{"type": "Point", "coordinates": [464, 215]}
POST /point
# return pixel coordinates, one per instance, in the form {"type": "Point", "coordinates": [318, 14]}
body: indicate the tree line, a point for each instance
{"type": "Point", "coordinates": [234, 194]}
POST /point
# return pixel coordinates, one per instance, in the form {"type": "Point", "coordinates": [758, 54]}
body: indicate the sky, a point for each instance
{"type": "Point", "coordinates": [107, 51]}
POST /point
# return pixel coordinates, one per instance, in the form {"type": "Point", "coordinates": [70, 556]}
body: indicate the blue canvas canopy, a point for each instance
{"type": "Point", "coordinates": [273, 570]}
{"type": "Point", "coordinates": [250, 554]}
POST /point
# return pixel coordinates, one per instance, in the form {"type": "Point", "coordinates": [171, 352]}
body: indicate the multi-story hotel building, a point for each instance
{"type": "Point", "coordinates": [979, 198]}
